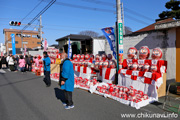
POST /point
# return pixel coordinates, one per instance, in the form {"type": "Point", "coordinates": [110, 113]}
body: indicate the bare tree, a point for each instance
{"type": "Point", "coordinates": [89, 33]}
{"type": "Point", "coordinates": [128, 30]}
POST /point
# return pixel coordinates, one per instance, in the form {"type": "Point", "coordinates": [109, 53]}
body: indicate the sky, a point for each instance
{"type": "Point", "coordinates": [66, 17]}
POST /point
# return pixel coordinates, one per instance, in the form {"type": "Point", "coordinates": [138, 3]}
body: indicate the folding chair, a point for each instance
{"type": "Point", "coordinates": [167, 97]}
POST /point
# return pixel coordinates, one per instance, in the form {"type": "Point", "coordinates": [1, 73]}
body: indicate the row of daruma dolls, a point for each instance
{"type": "Point", "coordinates": [99, 62]}
{"type": "Point", "coordinates": [143, 63]}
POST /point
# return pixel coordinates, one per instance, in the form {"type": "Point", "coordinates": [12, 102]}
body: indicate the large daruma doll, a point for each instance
{"type": "Point", "coordinates": [156, 60]}
{"type": "Point", "coordinates": [144, 53]}
{"type": "Point", "coordinates": [131, 54]}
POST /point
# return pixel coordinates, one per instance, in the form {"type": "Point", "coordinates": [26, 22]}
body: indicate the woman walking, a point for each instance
{"type": "Point", "coordinates": [22, 63]}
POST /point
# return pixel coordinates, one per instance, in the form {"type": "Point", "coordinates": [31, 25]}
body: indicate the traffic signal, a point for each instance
{"type": "Point", "coordinates": [14, 23]}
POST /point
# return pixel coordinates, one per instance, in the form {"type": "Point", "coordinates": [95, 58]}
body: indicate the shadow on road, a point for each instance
{"type": "Point", "coordinates": [59, 94]}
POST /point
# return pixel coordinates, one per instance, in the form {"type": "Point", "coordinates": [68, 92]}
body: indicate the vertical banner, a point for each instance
{"type": "Point", "coordinates": [69, 49]}
{"type": "Point", "coordinates": [45, 45]}
{"type": "Point", "coordinates": [13, 44]}
{"type": "Point", "coordinates": [120, 38]}
{"type": "Point", "coordinates": [109, 34]}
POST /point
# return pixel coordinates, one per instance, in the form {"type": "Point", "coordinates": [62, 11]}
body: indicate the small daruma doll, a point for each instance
{"type": "Point", "coordinates": [153, 68]}
{"type": "Point", "coordinates": [74, 57]}
{"type": "Point", "coordinates": [109, 57]}
{"type": "Point", "coordinates": [78, 60]}
{"type": "Point", "coordinates": [103, 57]}
{"type": "Point", "coordinates": [131, 54]}
{"type": "Point", "coordinates": [146, 67]}
{"type": "Point", "coordinates": [134, 66]}
{"type": "Point", "coordinates": [97, 57]}
{"type": "Point", "coordinates": [87, 57]}
{"type": "Point", "coordinates": [91, 57]}
{"type": "Point", "coordinates": [96, 65]}
{"type": "Point", "coordinates": [105, 64]}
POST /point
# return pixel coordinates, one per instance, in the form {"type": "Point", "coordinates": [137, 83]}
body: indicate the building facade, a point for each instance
{"type": "Point", "coordinates": [27, 38]}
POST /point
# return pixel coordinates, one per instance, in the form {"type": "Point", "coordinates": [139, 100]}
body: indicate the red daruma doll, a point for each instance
{"type": "Point", "coordinates": [97, 57]}
{"type": "Point", "coordinates": [146, 67]}
{"type": "Point", "coordinates": [78, 59]}
{"type": "Point", "coordinates": [103, 57]}
{"type": "Point", "coordinates": [74, 57]}
{"type": "Point", "coordinates": [144, 53]}
{"type": "Point", "coordinates": [105, 64]}
{"type": "Point", "coordinates": [87, 57]}
{"type": "Point", "coordinates": [134, 66]}
{"type": "Point", "coordinates": [91, 58]}
{"type": "Point", "coordinates": [112, 64]}
{"type": "Point", "coordinates": [156, 54]}
{"type": "Point", "coordinates": [131, 54]}
{"type": "Point", "coordinates": [156, 60]}
{"type": "Point", "coordinates": [153, 68]}
{"type": "Point", "coordinates": [109, 57]}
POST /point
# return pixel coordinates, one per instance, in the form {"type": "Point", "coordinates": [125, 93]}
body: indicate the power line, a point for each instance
{"type": "Point", "coordinates": [71, 26]}
{"type": "Point", "coordinates": [32, 10]}
{"type": "Point", "coordinates": [137, 20]}
{"type": "Point", "coordinates": [40, 13]}
{"type": "Point", "coordinates": [95, 9]}
{"type": "Point", "coordinates": [99, 2]}
{"type": "Point", "coordinates": [138, 14]}
{"type": "Point", "coordinates": [82, 7]}
{"type": "Point", "coordinates": [126, 9]}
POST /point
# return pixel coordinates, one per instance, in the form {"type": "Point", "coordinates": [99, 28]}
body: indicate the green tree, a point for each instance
{"type": "Point", "coordinates": [173, 11]}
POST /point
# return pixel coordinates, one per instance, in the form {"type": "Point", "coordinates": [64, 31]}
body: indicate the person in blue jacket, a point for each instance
{"type": "Point", "coordinates": [47, 63]}
{"type": "Point", "coordinates": [67, 80]}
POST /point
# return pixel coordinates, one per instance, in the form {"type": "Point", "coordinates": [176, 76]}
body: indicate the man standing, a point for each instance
{"type": "Point", "coordinates": [67, 80]}
{"type": "Point", "coordinates": [47, 63]}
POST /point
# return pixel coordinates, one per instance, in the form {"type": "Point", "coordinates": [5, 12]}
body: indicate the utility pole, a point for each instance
{"type": "Point", "coordinates": [40, 28]}
{"type": "Point", "coordinates": [22, 41]}
{"type": "Point", "coordinates": [122, 9]}
{"type": "Point", "coordinates": [118, 21]}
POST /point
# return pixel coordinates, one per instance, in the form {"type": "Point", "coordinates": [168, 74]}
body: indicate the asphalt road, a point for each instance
{"type": "Point", "coordinates": [25, 97]}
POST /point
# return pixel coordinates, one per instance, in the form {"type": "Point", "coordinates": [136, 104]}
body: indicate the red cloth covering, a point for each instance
{"type": "Point", "coordinates": [100, 71]}
{"type": "Point", "coordinates": [78, 69]}
{"type": "Point", "coordinates": [148, 76]}
{"type": "Point", "coordinates": [85, 70]}
{"type": "Point", "coordinates": [107, 74]}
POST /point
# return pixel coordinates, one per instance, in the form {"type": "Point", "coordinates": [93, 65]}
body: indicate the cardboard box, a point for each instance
{"type": "Point", "coordinates": [55, 68]}
{"type": "Point", "coordinates": [162, 89]}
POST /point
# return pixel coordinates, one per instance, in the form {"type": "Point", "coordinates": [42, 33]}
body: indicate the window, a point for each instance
{"type": "Point", "coordinates": [36, 36]}
{"type": "Point", "coordinates": [25, 42]}
{"type": "Point", "coordinates": [38, 42]}
{"type": "Point", "coordinates": [16, 42]}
